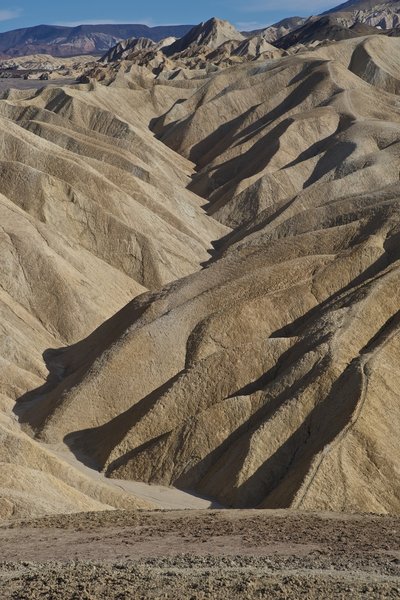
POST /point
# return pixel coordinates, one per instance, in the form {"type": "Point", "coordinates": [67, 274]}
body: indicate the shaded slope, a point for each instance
{"type": "Point", "coordinates": [327, 28]}
{"type": "Point", "coordinates": [299, 122]}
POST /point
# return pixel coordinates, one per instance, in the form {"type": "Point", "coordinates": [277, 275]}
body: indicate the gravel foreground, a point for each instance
{"type": "Point", "coordinates": [187, 577]}
{"type": "Point", "coordinates": [201, 554]}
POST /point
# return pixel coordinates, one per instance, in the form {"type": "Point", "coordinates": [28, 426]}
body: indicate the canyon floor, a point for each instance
{"type": "Point", "coordinates": [201, 554]}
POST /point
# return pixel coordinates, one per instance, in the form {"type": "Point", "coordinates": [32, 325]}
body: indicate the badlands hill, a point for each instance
{"type": "Point", "coordinates": [209, 266]}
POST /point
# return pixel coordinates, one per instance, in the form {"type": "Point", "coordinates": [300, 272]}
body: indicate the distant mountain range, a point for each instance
{"type": "Point", "coordinates": [84, 39]}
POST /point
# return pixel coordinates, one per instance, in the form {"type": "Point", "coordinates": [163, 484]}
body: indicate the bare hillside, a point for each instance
{"type": "Point", "coordinates": [94, 211]}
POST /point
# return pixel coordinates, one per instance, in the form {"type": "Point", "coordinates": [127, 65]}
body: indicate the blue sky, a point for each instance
{"type": "Point", "coordinates": [248, 14]}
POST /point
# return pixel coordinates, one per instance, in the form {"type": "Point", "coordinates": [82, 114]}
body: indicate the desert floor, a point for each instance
{"type": "Point", "coordinates": [201, 554]}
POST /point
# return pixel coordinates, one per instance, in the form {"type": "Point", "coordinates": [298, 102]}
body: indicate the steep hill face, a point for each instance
{"type": "Point", "coordinates": [84, 39]}
{"type": "Point", "coordinates": [269, 377]}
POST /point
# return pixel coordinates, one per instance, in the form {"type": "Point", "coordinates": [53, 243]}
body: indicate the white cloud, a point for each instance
{"type": "Point", "coordinates": [9, 14]}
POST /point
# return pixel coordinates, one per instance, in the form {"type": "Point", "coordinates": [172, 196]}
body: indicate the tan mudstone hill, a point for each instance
{"type": "Point", "coordinates": [269, 377]}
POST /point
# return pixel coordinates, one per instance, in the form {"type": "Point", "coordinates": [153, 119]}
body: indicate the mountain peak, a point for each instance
{"type": "Point", "coordinates": [212, 33]}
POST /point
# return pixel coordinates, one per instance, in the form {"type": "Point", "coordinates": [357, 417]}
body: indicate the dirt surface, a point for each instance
{"type": "Point", "coordinates": [201, 554]}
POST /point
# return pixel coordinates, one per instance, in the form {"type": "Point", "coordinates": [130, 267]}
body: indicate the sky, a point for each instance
{"type": "Point", "coordinates": [250, 14]}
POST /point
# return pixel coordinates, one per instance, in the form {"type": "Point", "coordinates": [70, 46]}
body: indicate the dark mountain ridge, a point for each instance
{"type": "Point", "coordinates": [84, 39]}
